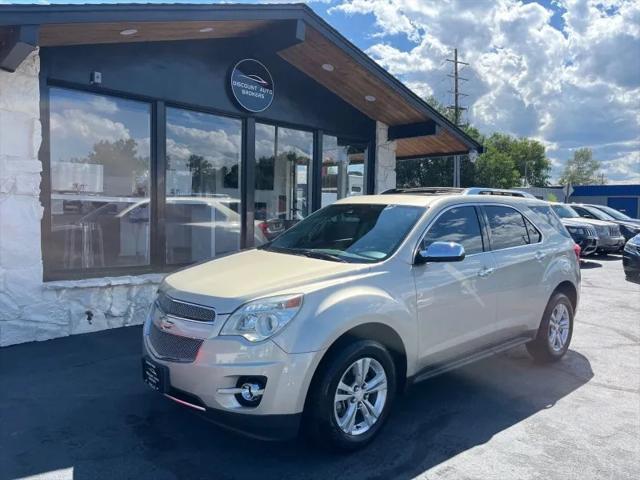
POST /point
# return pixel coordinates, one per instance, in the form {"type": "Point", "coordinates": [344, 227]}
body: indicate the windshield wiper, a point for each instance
{"type": "Point", "coordinates": [320, 255]}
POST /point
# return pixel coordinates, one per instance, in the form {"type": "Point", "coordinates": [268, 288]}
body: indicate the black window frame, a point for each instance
{"type": "Point", "coordinates": [525, 219]}
{"type": "Point", "coordinates": [157, 241]}
{"type": "Point", "coordinates": [481, 221]}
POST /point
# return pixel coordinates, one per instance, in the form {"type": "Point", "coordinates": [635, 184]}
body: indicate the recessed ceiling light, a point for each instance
{"type": "Point", "coordinates": [370, 98]}
{"type": "Point", "coordinates": [206, 30]}
{"type": "Point", "coordinates": [129, 31]}
{"type": "Point", "coordinates": [328, 67]}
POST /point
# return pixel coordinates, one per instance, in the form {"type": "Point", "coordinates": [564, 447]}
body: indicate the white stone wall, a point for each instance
{"type": "Point", "coordinates": [385, 160]}
{"type": "Point", "coordinates": [29, 308]}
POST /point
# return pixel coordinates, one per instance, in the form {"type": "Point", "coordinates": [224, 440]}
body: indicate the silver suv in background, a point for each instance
{"type": "Point", "coordinates": [323, 326]}
{"type": "Point", "coordinates": [610, 238]}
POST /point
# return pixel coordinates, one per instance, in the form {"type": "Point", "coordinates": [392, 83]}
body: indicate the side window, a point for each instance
{"type": "Point", "coordinates": [583, 212]}
{"type": "Point", "coordinates": [550, 216]}
{"type": "Point", "coordinates": [508, 228]}
{"type": "Point", "coordinates": [534, 235]}
{"type": "Point", "coordinates": [460, 225]}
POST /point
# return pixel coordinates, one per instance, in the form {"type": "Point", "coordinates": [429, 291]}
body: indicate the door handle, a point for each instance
{"type": "Point", "coordinates": [485, 272]}
{"type": "Point", "coordinates": [540, 255]}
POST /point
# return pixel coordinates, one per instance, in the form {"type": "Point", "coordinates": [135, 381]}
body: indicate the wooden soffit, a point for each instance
{"type": "Point", "coordinates": [83, 33]}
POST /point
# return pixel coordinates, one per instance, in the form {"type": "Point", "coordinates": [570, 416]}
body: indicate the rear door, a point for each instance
{"type": "Point", "coordinates": [521, 260]}
{"type": "Point", "coordinates": [456, 300]}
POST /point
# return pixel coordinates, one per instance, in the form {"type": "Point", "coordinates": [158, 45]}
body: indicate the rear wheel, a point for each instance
{"type": "Point", "coordinates": [555, 331]}
{"type": "Point", "coordinates": [351, 397]}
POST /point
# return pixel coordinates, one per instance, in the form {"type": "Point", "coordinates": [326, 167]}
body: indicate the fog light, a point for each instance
{"type": "Point", "coordinates": [251, 390]}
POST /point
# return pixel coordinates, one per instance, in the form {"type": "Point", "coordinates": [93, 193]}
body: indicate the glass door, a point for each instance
{"type": "Point", "coordinates": [282, 179]}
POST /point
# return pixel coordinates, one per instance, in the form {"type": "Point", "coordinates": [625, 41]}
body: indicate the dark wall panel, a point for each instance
{"type": "Point", "coordinates": [196, 73]}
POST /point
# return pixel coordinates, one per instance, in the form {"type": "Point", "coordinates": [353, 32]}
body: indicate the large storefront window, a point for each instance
{"type": "Point", "coordinates": [100, 181]}
{"type": "Point", "coordinates": [343, 173]}
{"type": "Point", "coordinates": [283, 166]}
{"type": "Point", "coordinates": [202, 213]}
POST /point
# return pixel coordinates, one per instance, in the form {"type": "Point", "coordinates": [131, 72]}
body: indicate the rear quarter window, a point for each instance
{"type": "Point", "coordinates": [547, 214]}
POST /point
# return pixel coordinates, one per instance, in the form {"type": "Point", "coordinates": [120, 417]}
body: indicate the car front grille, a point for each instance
{"type": "Point", "coordinates": [603, 231]}
{"type": "Point", "coordinates": [614, 230]}
{"type": "Point", "coordinates": [173, 347]}
{"type": "Point", "coordinates": [591, 232]}
{"type": "Point", "coordinates": [176, 308]}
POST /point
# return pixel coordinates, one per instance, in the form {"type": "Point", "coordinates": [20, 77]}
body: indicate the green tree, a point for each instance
{"type": "Point", "coordinates": [582, 169]}
{"type": "Point", "coordinates": [203, 179]}
{"type": "Point", "coordinates": [496, 169]}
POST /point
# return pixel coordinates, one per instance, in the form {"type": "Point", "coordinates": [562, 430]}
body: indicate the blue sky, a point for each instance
{"type": "Point", "coordinates": [565, 72]}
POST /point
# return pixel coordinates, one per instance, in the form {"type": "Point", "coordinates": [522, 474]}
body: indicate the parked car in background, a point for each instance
{"type": "Point", "coordinates": [629, 227]}
{"type": "Point", "coordinates": [325, 324]}
{"type": "Point", "coordinates": [583, 234]}
{"type": "Point", "coordinates": [610, 238]}
{"type": "Point", "coordinates": [631, 258]}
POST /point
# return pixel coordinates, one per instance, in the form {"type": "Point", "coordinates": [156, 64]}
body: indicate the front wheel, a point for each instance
{"type": "Point", "coordinates": [351, 397]}
{"type": "Point", "coordinates": [556, 329]}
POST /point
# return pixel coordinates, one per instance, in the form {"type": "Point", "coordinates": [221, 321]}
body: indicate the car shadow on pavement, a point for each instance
{"type": "Point", "coordinates": [79, 404]}
{"type": "Point", "coordinates": [588, 264]}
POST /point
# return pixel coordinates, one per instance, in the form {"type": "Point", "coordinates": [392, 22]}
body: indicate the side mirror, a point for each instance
{"type": "Point", "coordinates": [441, 252]}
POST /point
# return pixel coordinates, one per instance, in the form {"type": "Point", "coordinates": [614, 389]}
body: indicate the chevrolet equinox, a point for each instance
{"type": "Point", "coordinates": [322, 327]}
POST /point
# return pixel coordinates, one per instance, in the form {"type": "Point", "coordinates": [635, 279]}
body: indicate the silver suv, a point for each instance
{"type": "Point", "coordinates": [322, 327]}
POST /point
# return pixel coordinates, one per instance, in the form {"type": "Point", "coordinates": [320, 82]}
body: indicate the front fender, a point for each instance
{"type": "Point", "coordinates": [327, 316]}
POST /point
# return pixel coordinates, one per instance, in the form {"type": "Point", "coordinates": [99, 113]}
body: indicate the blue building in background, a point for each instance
{"type": "Point", "coordinates": [625, 198]}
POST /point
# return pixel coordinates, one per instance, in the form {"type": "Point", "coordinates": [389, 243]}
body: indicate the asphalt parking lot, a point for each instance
{"type": "Point", "coordinates": [76, 408]}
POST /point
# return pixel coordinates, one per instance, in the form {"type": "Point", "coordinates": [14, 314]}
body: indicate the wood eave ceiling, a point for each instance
{"type": "Point", "coordinates": [352, 82]}
{"type": "Point", "coordinates": [82, 33]}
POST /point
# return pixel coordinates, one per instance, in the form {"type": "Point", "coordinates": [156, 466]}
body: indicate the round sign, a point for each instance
{"type": "Point", "coordinates": [252, 85]}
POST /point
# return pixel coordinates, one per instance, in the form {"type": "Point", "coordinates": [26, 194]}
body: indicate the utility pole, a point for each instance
{"type": "Point", "coordinates": [456, 87]}
{"type": "Point", "coordinates": [456, 109]}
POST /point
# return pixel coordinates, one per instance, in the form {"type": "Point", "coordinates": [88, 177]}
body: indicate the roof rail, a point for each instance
{"type": "Point", "coordinates": [424, 190]}
{"type": "Point", "coordinates": [497, 191]}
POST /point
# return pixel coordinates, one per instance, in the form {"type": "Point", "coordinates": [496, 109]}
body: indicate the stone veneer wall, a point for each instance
{"type": "Point", "coordinates": [385, 160]}
{"type": "Point", "coordinates": [31, 309]}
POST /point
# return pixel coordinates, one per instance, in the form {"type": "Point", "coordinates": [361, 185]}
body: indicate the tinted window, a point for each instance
{"type": "Point", "coordinates": [563, 211]}
{"type": "Point", "coordinates": [365, 233]}
{"type": "Point", "coordinates": [507, 226]}
{"type": "Point", "coordinates": [551, 218]}
{"type": "Point", "coordinates": [583, 212]}
{"type": "Point", "coordinates": [458, 225]}
{"type": "Point", "coordinates": [534, 235]}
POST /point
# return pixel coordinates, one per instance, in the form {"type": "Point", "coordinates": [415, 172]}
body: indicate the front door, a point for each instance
{"type": "Point", "coordinates": [282, 178]}
{"type": "Point", "coordinates": [456, 302]}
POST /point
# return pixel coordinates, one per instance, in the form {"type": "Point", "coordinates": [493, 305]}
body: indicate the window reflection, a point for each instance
{"type": "Point", "coordinates": [100, 153]}
{"type": "Point", "coordinates": [283, 161]}
{"type": "Point", "coordinates": [342, 170]}
{"type": "Point", "coordinates": [203, 198]}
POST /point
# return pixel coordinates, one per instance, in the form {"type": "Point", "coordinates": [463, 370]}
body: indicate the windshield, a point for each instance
{"type": "Point", "coordinates": [599, 214]}
{"type": "Point", "coordinates": [613, 212]}
{"type": "Point", "coordinates": [349, 232]}
{"type": "Point", "coordinates": [565, 212]}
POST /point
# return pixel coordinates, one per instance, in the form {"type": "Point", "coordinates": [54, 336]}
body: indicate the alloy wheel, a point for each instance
{"type": "Point", "coordinates": [559, 327]}
{"type": "Point", "coordinates": [360, 396]}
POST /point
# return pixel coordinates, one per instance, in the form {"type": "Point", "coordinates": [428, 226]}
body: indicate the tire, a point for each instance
{"type": "Point", "coordinates": [322, 411]}
{"type": "Point", "coordinates": [547, 347]}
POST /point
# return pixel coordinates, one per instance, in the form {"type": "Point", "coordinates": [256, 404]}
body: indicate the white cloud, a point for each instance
{"type": "Point", "coordinates": [570, 87]}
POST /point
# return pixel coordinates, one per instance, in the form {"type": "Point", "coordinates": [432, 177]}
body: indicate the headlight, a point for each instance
{"type": "Point", "coordinates": [576, 230]}
{"type": "Point", "coordinates": [262, 318]}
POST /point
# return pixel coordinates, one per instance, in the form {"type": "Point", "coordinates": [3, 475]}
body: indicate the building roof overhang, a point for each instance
{"type": "Point", "coordinates": [295, 32]}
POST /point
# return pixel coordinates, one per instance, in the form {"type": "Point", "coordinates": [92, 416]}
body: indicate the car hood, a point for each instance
{"type": "Point", "coordinates": [567, 222]}
{"type": "Point", "coordinates": [226, 283]}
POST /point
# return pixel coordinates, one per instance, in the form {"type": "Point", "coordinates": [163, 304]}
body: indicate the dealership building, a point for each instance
{"type": "Point", "coordinates": [138, 139]}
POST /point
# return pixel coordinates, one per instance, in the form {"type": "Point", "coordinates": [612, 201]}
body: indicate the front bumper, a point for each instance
{"type": "Point", "coordinates": [631, 262]}
{"type": "Point", "coordinates": [587, 244]}
{"type": "Point", "coordinates": [219, 364]}
{"type": "Point", "coordinates": [610, 244]}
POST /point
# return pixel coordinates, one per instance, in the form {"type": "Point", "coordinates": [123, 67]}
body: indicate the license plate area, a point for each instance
{"type": "Point", "coordinates": [154, 375]}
